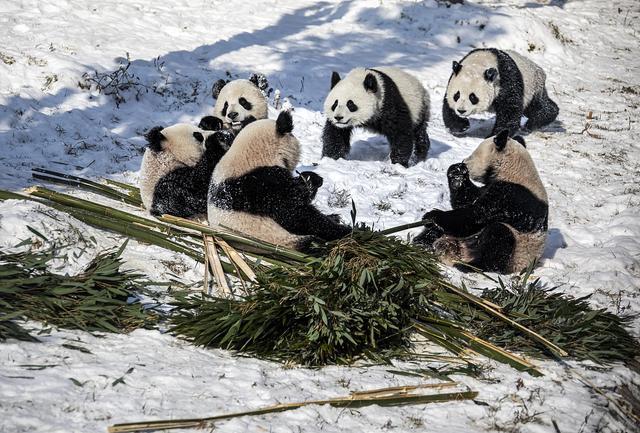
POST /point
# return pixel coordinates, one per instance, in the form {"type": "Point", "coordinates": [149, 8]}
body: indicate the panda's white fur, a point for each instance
{"type": "Point", "coordinates": [257, 145]}
{"type": "Point", "coordinates": [471, 79]}
{"type": "Point", "coordinates": [369, 104]}
{"type": "Point", "coordinates": [231, 94]}
{"type": "Point", "coordinates": [179, 149]}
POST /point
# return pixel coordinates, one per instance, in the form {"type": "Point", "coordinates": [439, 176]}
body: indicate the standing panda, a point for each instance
{"type": "Point", "coordinates": [253, 191]}
{"type": "Point", "coordinates": [238, 103]}
{"type": "Point", "coordinates": [504, 82]}
{"type": "Point", "coordinates": [385, 100]}
{"type": "Point", "coordinates": [499, 227]}
{"type": "Point", "coordinates": [177, 166]}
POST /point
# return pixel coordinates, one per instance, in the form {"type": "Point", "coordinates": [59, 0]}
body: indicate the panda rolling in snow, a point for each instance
{"type": "Point", "coordinates": [385, 100]}
{"type": "Point", "coordinates": [238, 103]}
{"type": "Point", "coordinates": [252, 190]}
{"type": "Point", "coordinates": [504, 82]}
{"type": "Point", "coordinates": [177, 166]}
{"type": "Point", "coordinates": [499, 227]}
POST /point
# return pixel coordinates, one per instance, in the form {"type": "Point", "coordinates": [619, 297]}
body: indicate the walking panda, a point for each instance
{"type": "Point", "coordinates": [385, 100]}
{"type": "Point", "coordinates": [177, 166]}
{"type": "Point", "coordinates": [504, 82]}
{"type": "Point", "coordinates": [238, 102]}
{"type": "Point", "coordinates": [501, 226]}
{"type": "Point", "coordinates": [253, 191]}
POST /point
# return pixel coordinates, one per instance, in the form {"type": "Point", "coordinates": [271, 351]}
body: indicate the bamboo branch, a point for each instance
{"type": "Point", "coordinates": [361, 399]}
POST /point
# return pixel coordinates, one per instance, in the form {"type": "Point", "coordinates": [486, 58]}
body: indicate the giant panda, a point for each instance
{"type": "Point", "coordinates": [253, 191]}
{"type": "Point", "coordinates": [504, 82]}
{"type": "Point", "coordinates": [177, 166]}
{"type": "Point", "coordinates": [238, 102]}
{"type": "Point", "coordinates": [385, 100]}
{"type": "Point", "coordinates": [501, 226]}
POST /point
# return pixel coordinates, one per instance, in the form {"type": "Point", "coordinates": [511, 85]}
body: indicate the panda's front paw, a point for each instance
{"type": "Point", "coordinates": [210, 123]}
{"type": "Point", "coordinates": [457, 174]}
{"type": "Point", "coordinates": [460, 127]}
{"type": "Point", "coordinates": [429, 236]}
{"type": "Point", "coordinates": [312, 179]}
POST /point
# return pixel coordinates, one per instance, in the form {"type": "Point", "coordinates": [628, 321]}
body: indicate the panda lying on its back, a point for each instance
{"type": "Point", "coordinates": [253, 191]}
{"type": "Point", "coordinates": [385, 100]}
{"type": "Point", "coordinates": [238, 103]}
{"type": "Point", "coordinates": [501, 226]}
{"type": "Point", "coordinates": [177, 166]}
{"type": "Point", "coordinates": [498, 81]}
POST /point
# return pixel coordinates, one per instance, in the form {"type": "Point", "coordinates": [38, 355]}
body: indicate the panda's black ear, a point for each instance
{"type": "Point", "coordinates": [217, 87]}
{"type": "Point", "coordinates": [501, 139]}
{"type": "Point", "coordinates": [520, 140]}
{"type": "Point", "coordinates": [456, 67]}
{"type": "Point", "coordinates": [198, 136]}
{"type": "Point", "coordinates": [260, 80]}
{"type": "Point", "coordinates": [155, 138]}
{"type": "Point", "coordinates": [284, 123]}
{"type": "Point", "coordinates": [335, 78]}
{"type": "Point", "coordinates": [370, 83]}
{"type": "Point", "coordinates": [490, 74]}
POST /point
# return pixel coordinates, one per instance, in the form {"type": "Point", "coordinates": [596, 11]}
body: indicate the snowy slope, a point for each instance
{"type": "Point", "coordinates": [589, 161]}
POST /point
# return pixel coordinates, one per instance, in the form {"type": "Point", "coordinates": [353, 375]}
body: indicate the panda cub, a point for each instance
{"type": "Point", "coordinates": [499, 227]}
{"type": "Point", "coordinates": [177, 166]}
{"type": "Point", "coordinates": [385, 100]}
{"type": "Point", "coordinates": [504, 82]}
{"type": "Point", "coordinates": [238, 103]}
{"type": "Point", "coordinates": [253, 190]}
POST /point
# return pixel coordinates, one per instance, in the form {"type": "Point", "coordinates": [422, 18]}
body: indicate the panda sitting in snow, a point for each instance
{"type": "Point", "coordinates": [499, 227]}
{"type": "Point", "coordinates": [253, 191]}
{"type": "Point", "coordinates": [497, 81]}
{"type": "Point", "coordinates": [385, 100]}
{"type": "Point", "coordinates": [177, 166]}
{"type": "Point", "coordinates": [238, 103]}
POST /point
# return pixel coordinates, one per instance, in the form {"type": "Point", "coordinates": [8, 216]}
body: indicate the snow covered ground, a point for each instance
{"type": "Point", "coordinates": [589, 161]}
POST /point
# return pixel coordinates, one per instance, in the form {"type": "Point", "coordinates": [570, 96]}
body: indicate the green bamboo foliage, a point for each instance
{"type": "Point", "coordinates": [97, 299]}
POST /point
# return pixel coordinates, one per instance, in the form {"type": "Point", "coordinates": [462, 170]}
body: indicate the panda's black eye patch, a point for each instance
{"type": "Point", "coordinates": [474, 99]}
{"type": "Point", "coordinates": [245, 104]}
{"type": "Point", "coordinates": [225, 107]}
{"type": "Point", "coordinates": [352, 106]}
{"type": "Point", "coordinates": [335, 104]}
{"type": "Point", "coordinates": [456, 96]}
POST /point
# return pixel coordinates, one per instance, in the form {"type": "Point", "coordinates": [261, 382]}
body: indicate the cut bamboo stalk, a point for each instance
{"type": "Point", "coordinates": [234, 256]}
{"type": "Point", "coordinates": [205, 288]}
{"type": "Point", "coordinates": [88, 185]}
{"type": "Point", "coordinates": [352, 401]}
{"type": "Point", "coordinates": [216, 265]}
{"type": "Point", "coordinates": [403, 227]}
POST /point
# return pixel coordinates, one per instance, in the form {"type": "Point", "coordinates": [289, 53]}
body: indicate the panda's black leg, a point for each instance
{"type": "Point", "coordinates": [452, 121]}
{"type": "Point", "coordinates": [507, 117]}
{"type": "Point", "coordinates": [422, 144]}
{"type": "Point", "coordinates": [308, 220]}
{"type": "Point", "coordinates": [462, 192]}
{"type": "Point", "coordinates": [336, 142]}
{"type": "Point", "coordinates": [494, 248]}
{"type": "Point", "coordinates": [401, 148]}
{"type": "Point", "coordinates": [541, 111]}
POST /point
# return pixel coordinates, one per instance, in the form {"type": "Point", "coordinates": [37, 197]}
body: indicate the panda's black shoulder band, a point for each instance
{"type": "Point", "coordinates": [155, 138]}
{"type": "Point", "coordinates": [284, 123]}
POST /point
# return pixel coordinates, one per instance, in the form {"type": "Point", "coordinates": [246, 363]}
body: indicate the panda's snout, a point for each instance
{"type": "Point", "coordinates": [338, 118]}
{"type": "Point", "coordinates": [462, 111]}
{"type": "Point", "coordinates": [232, 115]}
